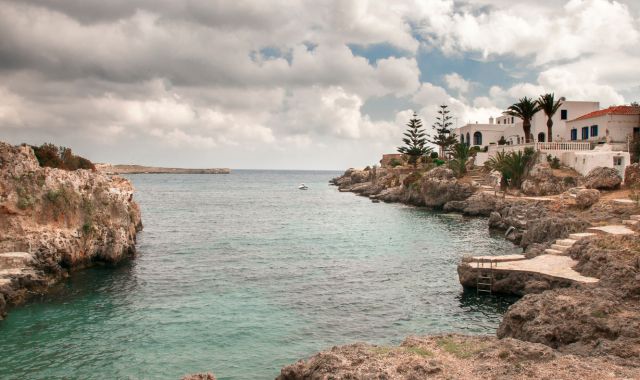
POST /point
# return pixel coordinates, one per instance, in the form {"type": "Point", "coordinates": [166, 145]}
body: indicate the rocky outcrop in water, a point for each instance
{"type": "Point", "coordinates": [53, 221]}
{"type": "Point", "coordinates": [432, 188]}
{"type": "Point", "coordinates": [454, 357]}
{"type": "Point", "coordinates": [603, 179]}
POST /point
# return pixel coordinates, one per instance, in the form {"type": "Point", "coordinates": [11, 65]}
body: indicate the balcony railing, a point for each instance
{"type": "Point", "coordinates": [562, 146]}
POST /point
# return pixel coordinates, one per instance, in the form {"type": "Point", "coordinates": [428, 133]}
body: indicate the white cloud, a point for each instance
{"type": "Point", "coordinates": [456, 82]}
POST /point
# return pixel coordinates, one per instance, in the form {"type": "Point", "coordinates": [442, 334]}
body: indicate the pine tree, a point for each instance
{"type": "Point", "coordinates": [415, 141]}
{"type": "Point", "coordinates": [444, 138]}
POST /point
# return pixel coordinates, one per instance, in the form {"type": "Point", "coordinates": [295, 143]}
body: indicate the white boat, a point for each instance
{"type": "Point", "coordinates": [303, 187]}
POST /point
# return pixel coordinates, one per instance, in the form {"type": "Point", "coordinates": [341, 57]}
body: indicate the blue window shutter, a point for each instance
{"type": "Point", "coordinates": [594, 130]}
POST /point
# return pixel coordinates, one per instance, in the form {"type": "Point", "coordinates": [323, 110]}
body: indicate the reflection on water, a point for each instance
{"type": "Point", "coordinates": [243, 273]}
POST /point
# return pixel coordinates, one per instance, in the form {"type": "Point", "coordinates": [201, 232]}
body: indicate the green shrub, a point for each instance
{"type": "Point", "coordinates": [438, 162]}
{"type": "Point", "coordinates": [25, 200]}
{"type": "Point", "coordinates": [554, 162]}
{"type": "Point", "coordinates": [49, 155]}
{"type": "Point", "coordinates": [570, 181]}
{"type": "Point", "coordinates": [434, 155]}
{"type": "Point", "coordinates": [461, 154]}
{"type": "Point", "coordinates": [395, 162]}
{"type": "Point", "coordinates": [514, 166]}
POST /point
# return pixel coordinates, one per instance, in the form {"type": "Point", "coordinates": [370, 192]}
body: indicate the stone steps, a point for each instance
{"type": "Point", "coordinates": [581, 235]}
{"type": "Point", "coordinates": [615, 229]}
{"type": "Point", "coordinates": [630, 222]}
{"type": "Point", "coordinates": [561, 248]}
{"type": "Point", "coordinates": [566, 242]}
{"type": "Point", "coordinates": [552, 251]}
{"type": "Point", "coordinates": [635, 217]}
{"type": "Point", "coordinates": [13, 260]}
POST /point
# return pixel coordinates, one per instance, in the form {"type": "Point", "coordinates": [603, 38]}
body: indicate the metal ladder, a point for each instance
{"type": "Point", "coordinates": [484, 280]}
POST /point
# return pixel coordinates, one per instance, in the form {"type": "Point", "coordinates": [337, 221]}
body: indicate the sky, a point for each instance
{"type": "Point", "coordinates": [285, 84]}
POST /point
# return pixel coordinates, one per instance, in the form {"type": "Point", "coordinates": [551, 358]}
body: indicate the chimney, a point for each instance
{"type": "Point", "coordinates": [491, 120]}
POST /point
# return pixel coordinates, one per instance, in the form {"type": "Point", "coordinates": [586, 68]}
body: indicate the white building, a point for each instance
{"type": "Point", "coordinates": [510, 128]}
{"type": "Point", "coordinates": [584, 137]}
{"type": "Point", "coordinates": [613, 125]}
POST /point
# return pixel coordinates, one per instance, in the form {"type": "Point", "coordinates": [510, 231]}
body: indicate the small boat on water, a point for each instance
{"type": "Point", "coordinates": [303, 187]}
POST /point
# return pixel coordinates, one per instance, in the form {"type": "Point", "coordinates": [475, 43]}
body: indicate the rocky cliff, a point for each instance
{"type": "Point", "coordinates": [53, 221]}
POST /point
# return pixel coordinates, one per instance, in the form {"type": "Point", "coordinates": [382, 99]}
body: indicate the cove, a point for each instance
{"type": "Point", "coordinates": [244, 273]}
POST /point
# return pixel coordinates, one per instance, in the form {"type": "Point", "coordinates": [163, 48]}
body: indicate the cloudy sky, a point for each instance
{"type": "Point", "coordinates": [288, 84]}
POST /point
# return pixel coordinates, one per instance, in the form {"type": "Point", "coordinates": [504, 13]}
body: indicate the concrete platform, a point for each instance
{"type": "Point", "coordinates": [499, 259]}
{"type": "Point", "coordinates": [616, 229]}
{"type": "Point", "coordinates": [550, 265]}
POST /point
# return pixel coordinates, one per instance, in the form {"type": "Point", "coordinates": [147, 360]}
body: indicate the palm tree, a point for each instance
{"type": "Point", "coordinates": [524, 109]}
{"type": "Point", "coordinates": [549, 106]}
{"type": "Point", "coordinates": [461, 154]}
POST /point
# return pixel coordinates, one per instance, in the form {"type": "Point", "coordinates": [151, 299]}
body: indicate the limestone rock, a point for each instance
{"type": "Point", "coordinates": [603, 178]}
{"type": "Point", "coordinates": [541, 181]}
{"type": "Point", "coordinates": [452, 357]}
{"type": "Point", "coordinates": [586, 198]}
{"type": "Point", "coordinates": [440, 186]}
{"type": "Point", "coordinates": [632, 175]}
{"type": "Point", "coordinates": [200, 376]}
{"type": "Point", "coordinates": [65, 219]}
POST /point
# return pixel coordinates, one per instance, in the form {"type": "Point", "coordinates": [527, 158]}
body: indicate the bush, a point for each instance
{"type": "Point", "coordinates": [513, 166]}
{"type": "Point", "coordinates": [438, 162]}
{"type": "Point", "coordinates": [434, 155]}
{"type": "Point", "coordinates": [49, 155]}
{"type": "Point", "coordinates": [395, 162]}
{"type": "Point", "coordinates": [502, 141]}
{"type": "Point", "coordinates": [554, 162]}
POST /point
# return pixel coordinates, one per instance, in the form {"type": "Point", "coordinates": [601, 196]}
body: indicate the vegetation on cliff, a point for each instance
{"type": "Point", "coordinates": [51, 156]}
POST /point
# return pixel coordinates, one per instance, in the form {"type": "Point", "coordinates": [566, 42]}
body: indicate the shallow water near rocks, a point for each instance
{"type": "Point", "coordinates": [241, 274]}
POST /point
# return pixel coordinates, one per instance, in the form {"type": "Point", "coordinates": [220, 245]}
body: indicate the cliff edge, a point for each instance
{"type": "Point", "coordinates": [53, 221]}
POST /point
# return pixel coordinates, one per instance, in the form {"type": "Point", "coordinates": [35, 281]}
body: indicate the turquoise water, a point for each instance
{"type": "Point", "coordinates": [241, 274]}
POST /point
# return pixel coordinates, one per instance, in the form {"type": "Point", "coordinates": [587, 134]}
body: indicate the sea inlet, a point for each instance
{"type": "Point", "coordinates": [243, 273]}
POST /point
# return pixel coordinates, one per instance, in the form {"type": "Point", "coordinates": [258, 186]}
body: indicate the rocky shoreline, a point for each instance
{"type": "Point", "coordinates": [558, 329]}
{"type": "Point", "coordinates": [54, 221]}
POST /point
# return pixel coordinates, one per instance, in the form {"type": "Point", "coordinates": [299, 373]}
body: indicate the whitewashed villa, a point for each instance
{"type": "Point", "coordinates": [584, 136]}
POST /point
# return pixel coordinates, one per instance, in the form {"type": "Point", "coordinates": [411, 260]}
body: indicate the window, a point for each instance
{"type": "Point", "coordinates": [462, 138]}
{"type": "Point", "coordinates": [617, 161]}
{"type": "Point", "coordinates": [468, 139]}
{"type": "Point", "coordinates": [511, 119]}
{"type": "Point", "coordinates": [585, 133]}
{"type": "Point", "coordinates": [563, 115]}
{"type": "Point", "coordinates": [594, 131]}
{"type": "Point", "coordinates": [574, 134]}
{"type": "Point", "coordinates": [477, 138]}
{"type": "Point", "coordinates": [636, 132]}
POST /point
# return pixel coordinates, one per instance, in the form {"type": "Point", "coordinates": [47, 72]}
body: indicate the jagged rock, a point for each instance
{"type": "Point", "coordinates": [200, 376]}
{"type": "Point", "coordinates": [586, 198]}
{"type": "Point", "coordinates": [66, 219]}
{"type": "Point", "coordinates": [479, 204]}
{"type": "Point", "coordinates": [541, 181]}
{"type": "Point", "coordinates": [603, 178]}
{"type": "Point", "coordinates": [440, 186]}
{"type": "Point", "coordinates": [452, 357]}
{"type": "Point", "coordinates": [632, 175]}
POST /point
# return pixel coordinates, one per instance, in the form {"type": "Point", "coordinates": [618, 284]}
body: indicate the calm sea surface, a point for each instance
{"type": "Point", "coordinates": [241, 274]}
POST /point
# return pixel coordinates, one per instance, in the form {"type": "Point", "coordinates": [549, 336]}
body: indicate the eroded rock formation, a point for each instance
{"type": "Point", "coordinates": [61, 219]}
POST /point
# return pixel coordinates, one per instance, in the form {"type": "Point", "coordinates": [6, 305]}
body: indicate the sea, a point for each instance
{"type": "Point", "coordinates": [241, 274]}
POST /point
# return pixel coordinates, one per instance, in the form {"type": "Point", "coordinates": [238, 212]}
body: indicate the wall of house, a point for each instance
{"type": "Point", "coordinates": [585, 161]}
{"type": "Point", "coordinates": [619, 127]}
{"type": "Point", "coordinates": [490, 132]}
{"type": "Point", "coordinates": [561, 131]}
